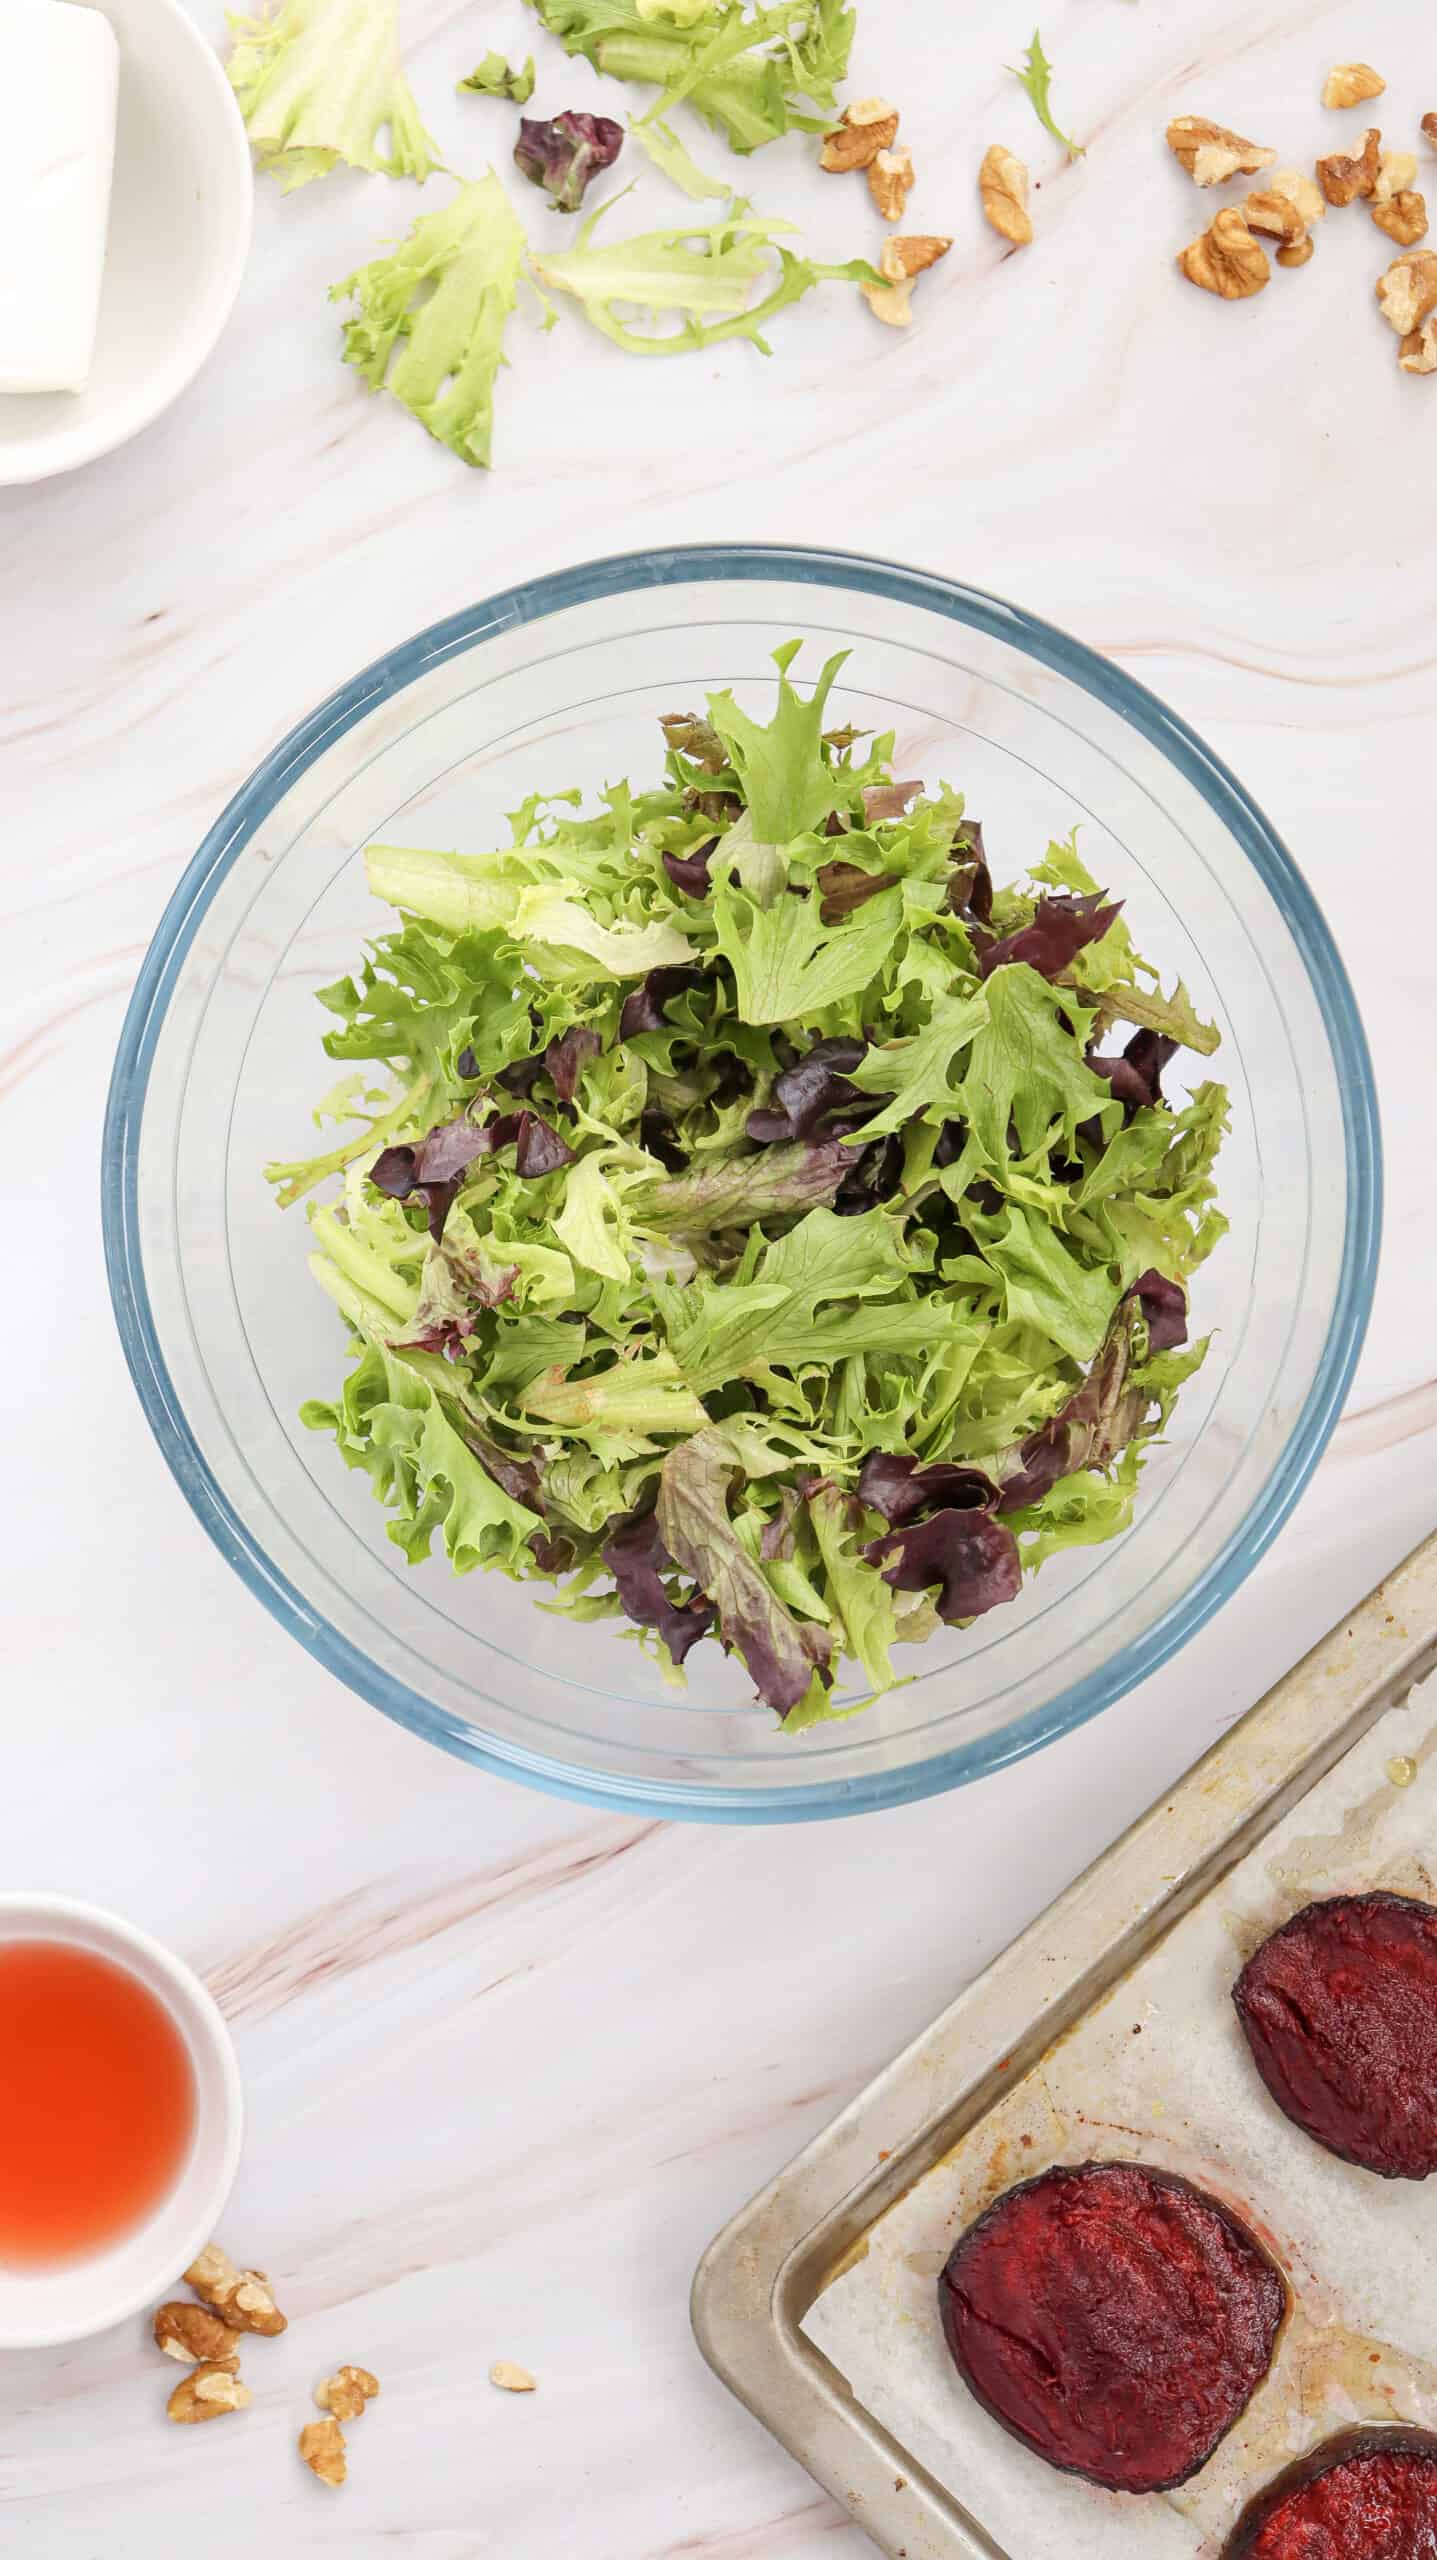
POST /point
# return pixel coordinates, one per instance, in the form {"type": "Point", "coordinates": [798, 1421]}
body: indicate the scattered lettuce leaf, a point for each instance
{"type": "Point", "coordinates": [751, 72]}
{"type": "Point", "coordinates": [496, 78]}
{"type": "Point", "coordinates": [563, 153]}
{"type": "Point", "coordinates": [701, 278]}
{"type": "Point", "coordinates": [429, 323]}
{"type": "Point", "coordinates": [671, 154]}
{"type": "Point", "coordinates": [319, 81]}
{"type": "Point", "coordinates": [1035, 75]}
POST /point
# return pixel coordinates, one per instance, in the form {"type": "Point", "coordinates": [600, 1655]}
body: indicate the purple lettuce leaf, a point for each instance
{"type": "Point", "coordinates": [970, 1558]}
{"type": "Point", "coordinates": [520, 1478]}
{"type": "Point", "coordinates": [1136, 1077]}
{"type": "Point", "coordinates": [1061, 928]}
{"type": "Point", "coordinates": [690, 871]}
{"type": "Point", "coordinates": [567, 1058]}
{"type": "Point", "coordinates": [433, 1170]}
{"type": "Point", "coordinates": [561, 154]}
{"type": "Point", "coordinates": [698, 1533]}
{"type": "Point", "coordinates": [454, 1289]}
{"type": "Point", "coordinates": [552, 1551]}
{"type": "Point", "coordinates": [970, 891]}
{"type": "Point", "coordinates": [637, 1557]}
{"type": "Point", "coordinates": [887, 800]}
{"type": "Point", "coordinates": [1105, 1412]}
{"type": "Point", "coordinates": [739, 1190]}
{"type": "Point", "coordinates": [844, 889]}
{"type": "Point", "coordinates": [903, 1490]}
{"type": "Point", "coordinates": [807, 1095]}
{"type": "Point", "coordinates": [644, 1005]}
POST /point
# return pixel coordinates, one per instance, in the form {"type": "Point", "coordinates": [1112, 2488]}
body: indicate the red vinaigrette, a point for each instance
{"type": "Point", "coordinates": [97, 2102]}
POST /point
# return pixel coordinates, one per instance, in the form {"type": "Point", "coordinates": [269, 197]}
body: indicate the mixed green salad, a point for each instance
{"type": "Point", "coordinates": [753, 1222]}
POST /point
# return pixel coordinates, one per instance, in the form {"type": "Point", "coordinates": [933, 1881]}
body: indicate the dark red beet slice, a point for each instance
{"type": "Point", "coordinates": [1340, 2010]}
{"type": "Point", "coordinates": [1114, 2319]}
{"type": "Point", "coordinates": [1368, 2495]}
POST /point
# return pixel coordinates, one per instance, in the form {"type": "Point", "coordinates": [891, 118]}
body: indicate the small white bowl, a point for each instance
{"type": "Point", "coordinates": [180, 219]}
{"type": "Point", "coordinates": [48, 2306]}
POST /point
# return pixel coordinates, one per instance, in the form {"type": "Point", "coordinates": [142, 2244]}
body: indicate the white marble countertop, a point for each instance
{"type": "Point", "coordinates": [491, 2114]}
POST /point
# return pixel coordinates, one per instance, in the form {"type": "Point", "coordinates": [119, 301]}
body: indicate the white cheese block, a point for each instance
{"type": "Point", "coordinates": [59, 80]}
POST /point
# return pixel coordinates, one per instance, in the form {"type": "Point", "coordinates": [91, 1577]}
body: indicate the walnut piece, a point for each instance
{"type": "Point", "coordinates": [346, 2394]}
{"type": "Point", "coordinates": [321, 2445]}
{"type": "Point", "coordinates": [1429, 127]}
{"type": "Point", "coordinates": [1418, 351]}
{"type": "Point", "coordinates": [911, 254]}
{"type": "Point", "coordinates": [1396, 172]}
{"type": "Point", "coordinates": [1226, 260]}
{"type": "Point", "coordinates": [1003, 187]}
{"type": "Point", "coordinates": [1408, 291]}
{"type": "Point", "coordinates": [900, 260]}
{"type": "Point", "coordinates": [1277, 216]}
{"type": "Point", "coordinates": [890, 181]}
{"type": "Point", "coordinates": [1300, 190]}
{"type": "Point", "coordinates": [211, 2391]}
{"type": "Point", "coordinates": [193, 2335]}
{"type": "Point", "coordinates": [1210, 152]}
{"type": "Point", "coordinates": [1404, 219]}
{"type": "Point", "coordinates": [868, 127]}
{"type": "Point", "coordinates": [511, 2377]}
{"type": "Point", "coordinates": [242, 2298]}
{"type": "Point", "coordinates": [1342, 179]}
{"type": "Point", "coordinates": [1349, 83]}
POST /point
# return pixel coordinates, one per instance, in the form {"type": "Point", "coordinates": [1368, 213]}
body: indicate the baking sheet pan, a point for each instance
{"type": "Point", "coordinates": [820, 2260]}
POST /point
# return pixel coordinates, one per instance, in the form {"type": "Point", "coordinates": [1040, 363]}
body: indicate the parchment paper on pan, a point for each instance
{"type": "Point", "coordinates": [1159, 2072]}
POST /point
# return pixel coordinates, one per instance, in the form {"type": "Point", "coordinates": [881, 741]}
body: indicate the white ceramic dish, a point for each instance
{"type": "Point", "coordinates": [46, 2307]}
{"type": "Point", "coordinates": [179, 233]}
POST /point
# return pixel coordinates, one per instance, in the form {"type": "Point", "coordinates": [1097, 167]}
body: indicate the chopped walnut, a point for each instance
{"type": "Point", "coordinates": [1429, 127]}
{"type": "Point", "coordinates": [242, 2298]}
{"type": "Point", "coordinates": [346, 2394]}
{"type": "Point", "coordinates": [900, 261]}
{"type": "Point", "coordinates": [1418, 351]}
{"type": "Point", "coordinates": [1278, 218]}
{"type": "Point", "coordinates": [1349, 83]}
{"type": "Point", "coordinates": [1210, 152]}
{"type": "Point", "coordinates": [868, 127]}
{"type": "Point", "coordinates": [1342, 179]}
{"type": "Point", "coordinates": [1226, 260]}
{"type": "Point", "coordinates": [1003, 187]}
{"type": "Point", "coordinates": [1408, 291]}
{"type": "Point", "coordinates": [211, 2391]}
{"type": "Point", "coordinates": [890, 181]}
{"type": "Point", "coordinates": [1300, 190]}
{"type": "Point", "coordinates": [511, 2377]}
{"type": "Point", "coordinates": [193, 2335]}
{"type": "Point", "coordinates": [911, 254]}
{"type": "Point", "coordinates": [1275, 215]}
{"type": "Point", "coordinates": [1396, 172]}
{"type": "Point", "coordinates": [1404, 219]}
{"type": "Point", "coordinates": [321, 2445]}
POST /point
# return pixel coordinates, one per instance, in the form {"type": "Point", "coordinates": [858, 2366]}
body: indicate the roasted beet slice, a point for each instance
{"type": "Point", "coordinates": [1340, 2011]}
{"type": "Point", "coordinates": [1368, 2495]}
{"type": "Point", "coordinates": [1114, 2319]}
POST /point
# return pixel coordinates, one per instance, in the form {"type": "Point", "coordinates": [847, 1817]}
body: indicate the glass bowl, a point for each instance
{"type": "Point", "coordinates": [560, 682]}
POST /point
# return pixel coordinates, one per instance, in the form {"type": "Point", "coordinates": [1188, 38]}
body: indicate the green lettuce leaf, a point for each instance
{"type": "Point", "coordinates": [701, 278]}
{"type": "Point", "coordinates": [496, 78]}
{"type": "Point", "coordinates": [1036, 76]}
{"type": "Point", "coordinates": [441, 299]}
{"type": "Point", "coordinates": [693, 1517]}
{"type": "Point", "coordinates": [318, 81]}
{"type": "Point", "coordinates": [746, 70]}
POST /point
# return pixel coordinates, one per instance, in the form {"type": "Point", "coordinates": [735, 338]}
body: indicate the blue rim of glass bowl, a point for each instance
{"type": "Point", "coordinates": [531, 603]}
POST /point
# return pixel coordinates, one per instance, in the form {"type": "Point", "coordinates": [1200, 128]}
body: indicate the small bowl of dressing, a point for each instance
{"type": "Point", "coordinates": [121, 2119]}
